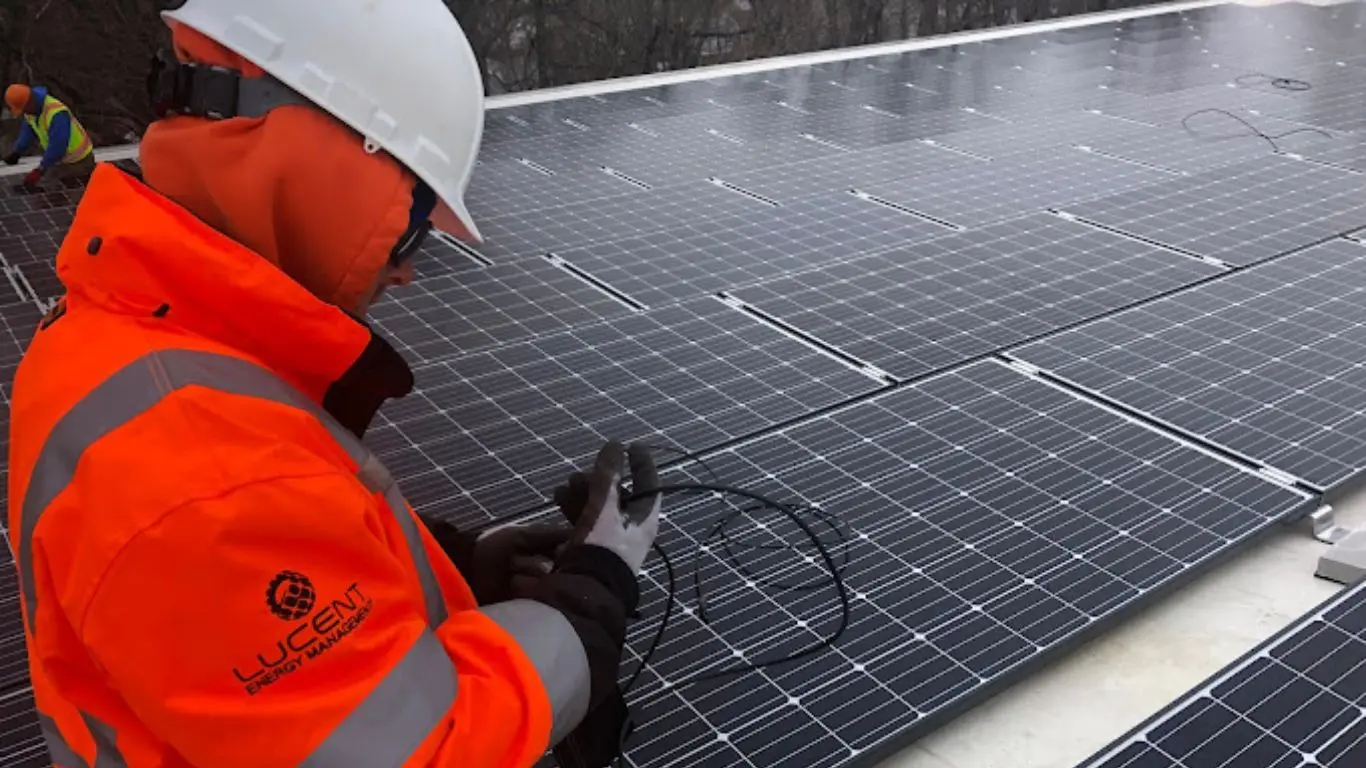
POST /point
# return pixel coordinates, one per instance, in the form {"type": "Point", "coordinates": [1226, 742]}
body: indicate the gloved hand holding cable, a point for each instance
{"type": "Point", "coordinates": [593, 503]}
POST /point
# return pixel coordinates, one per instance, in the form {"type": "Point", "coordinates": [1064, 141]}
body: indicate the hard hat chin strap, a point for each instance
{"type": "Point", "coordinates": [215, 93]}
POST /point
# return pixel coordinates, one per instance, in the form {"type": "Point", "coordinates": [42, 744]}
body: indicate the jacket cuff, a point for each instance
{"type": "Point", "coordinates": [604, 567]}
{"type": "Point", "coordinates": [458, 545]}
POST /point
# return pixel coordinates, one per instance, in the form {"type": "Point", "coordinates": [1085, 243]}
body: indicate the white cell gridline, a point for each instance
{"type": "Point", "coordinates": [1239, 214]}
{"type": "Point", "coordinates": [489, 434]}
{"type": "Point", "coordinates": [1296, 702]}
{"type": "Point", "coordinates": [718, 255]}
{"type": "Point", "coordinates": [536, 233]}
{"type": "Point", "coordinates": [1269, 363]}
{"type": "Point", "coordinates": [441, 317]}
{"type": "Point", "coordinates": [915, 310]}
{"type": "Point", "coordinates": [990, 517]}
{"type": "Point", "coordinates": [977, 195]}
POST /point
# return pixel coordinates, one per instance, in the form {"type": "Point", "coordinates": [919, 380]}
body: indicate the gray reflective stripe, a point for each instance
{"type": "Point", "coordinates": [142, 384]}
{"type": "Point", "coordinates": [397, 716]}
{"type": "Point", "coordinates": [107, 753]}
{"type": "Point", "coordinates": [61, 753]}
{"type": "Point", "coordinates": [555, 650]}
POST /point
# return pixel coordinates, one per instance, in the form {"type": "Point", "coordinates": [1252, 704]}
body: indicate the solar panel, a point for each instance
{"type": "Point", "coordinates": [1170, 109]}
{"type": "Point", "coordinates": [490, 434]}
{"type": "Point", "coordinates": [978, 195]}
{"type": "Point", "coordinates": [839, 173]}
{"type": "Point", "coordinates": [440, 317]}
{"type": "Point", "coordinates": [1208, 141]}
{"type": "Point", "coordinates": [1239, 214]}
{"type": "Point", "coordinates": [1297, 700]}
{"type": "Point", "coordinates": [992, 521]}
{"type": "Point", "coordinates": [710, 256]}
{"type": "Point", "coordinates": [35, 255]}
{"type": "Point", "coordinates": [13, 654]}
{"type": "Point", "coordinates": [1030, 135]}
{"type": "Point", "coordinates": [1267, 363]}
{"type": "Point", "coordinates": [21, 740]}
{"type": "Point", "coordinates": [1347, 152]}
{"type": "Point", "coordinates": [922, 308]}
{"type": "Point", "coordinates": [535, 233]}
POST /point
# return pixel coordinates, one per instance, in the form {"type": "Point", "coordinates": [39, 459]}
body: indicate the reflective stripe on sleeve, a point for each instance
{"type": "Point", "coordinates": [398, 715]}
{"type": "Point", "coordinates": [137, 387]}
{"type": "Point", "coordinates": [107, 754]}
{"type": "Point", "coordinates": [549, 640]}
{"type": "Point", "coordinates": [61, 753]}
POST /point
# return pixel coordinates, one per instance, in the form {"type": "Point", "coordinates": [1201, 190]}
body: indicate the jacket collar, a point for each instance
{"type": "Point", "coordinates": [133, 252]}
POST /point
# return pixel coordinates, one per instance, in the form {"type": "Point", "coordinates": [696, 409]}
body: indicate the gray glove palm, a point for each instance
{"type": "Point", "coordinates": [592, 502]}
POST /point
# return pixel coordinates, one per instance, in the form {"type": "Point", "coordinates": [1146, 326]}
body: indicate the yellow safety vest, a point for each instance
{"type": "Point", "coordinates": [78, 148]}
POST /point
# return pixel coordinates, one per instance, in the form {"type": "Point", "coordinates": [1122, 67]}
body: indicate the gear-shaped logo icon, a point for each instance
{"type": "Point", "coordinates": [290, 595]}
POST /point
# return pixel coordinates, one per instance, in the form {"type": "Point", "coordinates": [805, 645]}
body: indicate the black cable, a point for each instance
{"type": "Point", "coordinates": [1268, 138]}
{"type": "Point", "coordinates": [1283, 83]}
{"type": "Point", "coordinates": [758, 502]}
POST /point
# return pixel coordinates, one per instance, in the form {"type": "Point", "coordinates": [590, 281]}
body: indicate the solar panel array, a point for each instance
{"type": "Point", "coordinates": [1269, 363]}
{"type": "Point", "coordinates": [1295, 701]}
{"type": "Point", "coordinates": [1037, 345]}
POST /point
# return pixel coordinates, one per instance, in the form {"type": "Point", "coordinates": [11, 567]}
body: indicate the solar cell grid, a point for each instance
{"type": "Point", "coordinates": [21, 740]}
{"type": "Point", "coordinates": [437, 318]}
{"type": "Point", "coordinates": [1171, 108]}
{"type": "Point", "coordinates": [710, 256]}
{"type": "Point", "coordinates": [535, 233]}
{"type": "Point", "coordinates": [866, 126]}
{"type": "Point", "coordinates": [1267, 363]}
{"type": "Point", "coordinates": [507, 187]}
{"type": "Point", "coordinates": [700, 152]}
{"type": "Point", "coordinates": [438, 256]}
{"type": "Point", "coordinates": [36, 255]}
{"type": "Point", "coordinates": [1297, 701]}
{"type": "Point", "coordinates": [922, 308]}
{"type": "Point", "coordinates": [489, 434]}
{"type": "Point", "coordinates": [1209, 141]}
{"type": "Point", "coordinates": [1334, 107]}
{"type": "Point", "coordinates": [977, 195]}
{"type": "Point", "coordinates": [1240, 214]}
{"type": "Point", "coordinates": [841, 172]}
{"type": "Point", "coordinates": [991, 519]}
{"type": "Point", "coordinates": [1032, 134]}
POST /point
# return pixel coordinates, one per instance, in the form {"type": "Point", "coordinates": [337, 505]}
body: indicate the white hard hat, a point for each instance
{"type": "Point", "coordinates": [399, 72]}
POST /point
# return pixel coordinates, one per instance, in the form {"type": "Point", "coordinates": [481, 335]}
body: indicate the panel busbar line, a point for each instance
{"type": "Point", "coordinates": [716, 255]}
{"type": "Point", "coordinates": [1297, 701]}
{"type": "Point", "coordinates": [489, 435]}
{"type": "Point", "coordinates": [916, 310]}
{"type": "Point", "coordinates": [1239, 214]}
{"type": "Point", "coordinates": [1269, 363]}
{"type": "Point", "coordinates": [441, 317]}
{"type": "Point", "coordinates": [978, 195]}
{"type": "Point", "coordinates": [992, 520]}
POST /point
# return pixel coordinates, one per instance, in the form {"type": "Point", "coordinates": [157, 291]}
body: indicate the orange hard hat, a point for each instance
{"type": "Point", "coordinates": [17, 97]}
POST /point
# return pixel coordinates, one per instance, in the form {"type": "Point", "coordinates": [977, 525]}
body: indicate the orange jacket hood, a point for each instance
{"type": "Point", "coordinates": [296, 186]}
{"type": "Point", "coordinates": [132, 251]}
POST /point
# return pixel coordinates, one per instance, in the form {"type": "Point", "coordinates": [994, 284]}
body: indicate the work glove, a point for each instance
{"type": "Point", "coordinates": [12, 158]}
{"type": "Point", "coordinates": [31, 180]}
{"type": "Point", "coordinates": [592, 501]}
{"type": "Point", "coordinates": [508, 563]}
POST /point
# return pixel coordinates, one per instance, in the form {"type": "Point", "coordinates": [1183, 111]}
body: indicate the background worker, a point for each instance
{"type": "Point", "coordinates": [215, 571]}
{"type": "Point", "coordinates": [65, 144]}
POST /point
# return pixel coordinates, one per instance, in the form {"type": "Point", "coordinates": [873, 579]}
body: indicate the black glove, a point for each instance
{"type": "Point", "coordinates": [12, 158]}
{"type": "Point", "coordinates": [508, 563]}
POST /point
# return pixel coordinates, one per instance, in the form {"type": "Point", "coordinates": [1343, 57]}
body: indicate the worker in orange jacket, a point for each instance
{"type": "Point", "coordinates": [215, 571]}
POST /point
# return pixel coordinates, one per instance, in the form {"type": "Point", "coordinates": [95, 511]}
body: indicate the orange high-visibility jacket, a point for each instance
{"type": "Point", "coordinates": [216, 572]}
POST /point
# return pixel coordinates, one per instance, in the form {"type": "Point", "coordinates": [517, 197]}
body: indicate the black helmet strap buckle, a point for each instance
{"type": "Point", "coordinates": [215, 93]}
